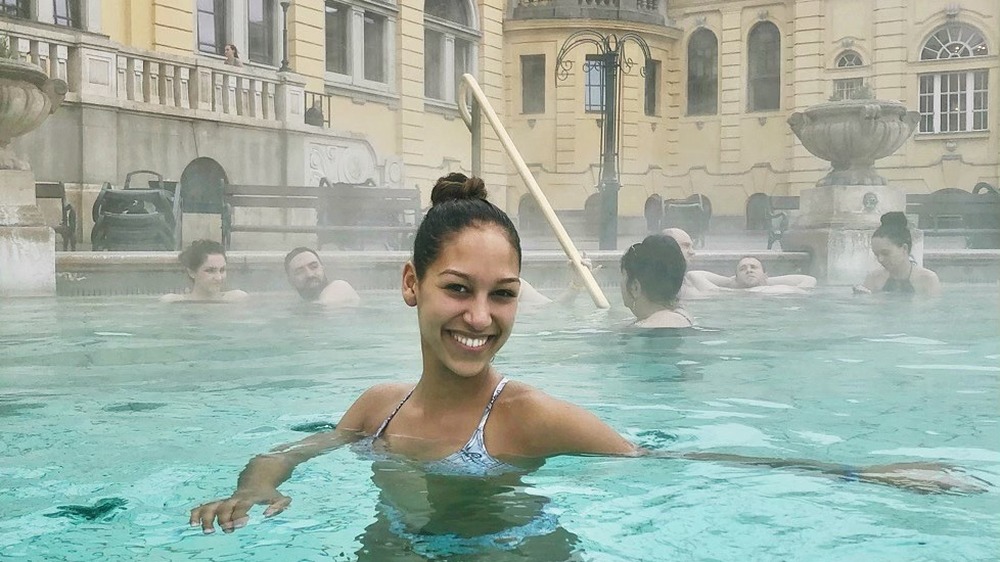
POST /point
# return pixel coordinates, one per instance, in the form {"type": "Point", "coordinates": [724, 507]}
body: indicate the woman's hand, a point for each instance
{"type": "Point", "coordinates": [232, 512]}
{"type": "Point", "coordinates": [861, 290]}
{"type": "Point", "coordinates": [925, 477]}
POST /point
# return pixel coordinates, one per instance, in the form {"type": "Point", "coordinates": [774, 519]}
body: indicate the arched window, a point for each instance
{"type": "Point", "coordinates": [955, 100]}
{"type": "Point", "coordinates": [849, 59]}
{"type": "Point", "coordinates": [450, 40]}
{"type": "Point", "coordinates": [952, 41]}
{"type": "Point", "coordinates": [764, 76]}
{"type": "Point", "coordinates": [703, 73]}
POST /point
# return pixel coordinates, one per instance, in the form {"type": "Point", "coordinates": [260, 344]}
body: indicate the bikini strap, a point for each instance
{"type": "Point", "coordinates": [382, 427]}
{"type": "Point", "coordinates": [489, 407]}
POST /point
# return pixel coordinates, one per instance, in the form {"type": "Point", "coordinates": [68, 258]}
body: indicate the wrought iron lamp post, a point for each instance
{"type": "Point", "coordinates": [284, 36]}
{"type": "Point", "coordinates": [614, 64]}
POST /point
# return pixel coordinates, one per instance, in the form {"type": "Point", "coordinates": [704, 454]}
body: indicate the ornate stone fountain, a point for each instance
{"type": "Point", "coordinates": [27, 245]}
{"type": "Point", "coordinates": [837, 217]}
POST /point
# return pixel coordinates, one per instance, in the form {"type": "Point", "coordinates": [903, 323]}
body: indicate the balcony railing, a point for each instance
{"type": "Point", "coordinates": [94, 68]}
{"type": "Point", "coordinates": [645, 11]}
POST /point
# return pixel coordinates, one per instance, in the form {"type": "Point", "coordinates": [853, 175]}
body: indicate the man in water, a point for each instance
{"type": "Point", "coordinates": [697, 284]}
{"type": "Point", "coordinates": [306, 274]}
{"type": "Point", "coordinates": [749, 276]}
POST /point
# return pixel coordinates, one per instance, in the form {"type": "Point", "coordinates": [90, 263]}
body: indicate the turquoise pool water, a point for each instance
{"type": "Point", "coordinates": [161, 406]}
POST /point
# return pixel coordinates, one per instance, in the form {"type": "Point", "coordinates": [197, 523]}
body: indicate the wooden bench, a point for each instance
{"type": "Point", "coordinates": [67, 225]}
{"type": "Point", "coordinates": [350, 216]}
{"type": "Point", "coordinates": [955, 212]}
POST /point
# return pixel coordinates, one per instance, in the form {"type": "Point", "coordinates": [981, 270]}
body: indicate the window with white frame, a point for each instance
{"type": "Point", "coordinates": [847, 88]}
{"type": "Point", "coordinates": [261, 31]}
{"type": "Point", "coordinates": [212, 28]}
{"type": "Point", "coordinates": [450, 40]}
{"type": "Point", "coordinates": [358, 42]}
{"type": "Point", "coordinates": [849, 59]}
{"type": "Point", "coordinates": [954, 100]}
{"type": "Point", "coordinates": [593, 84]}
{"type": "Point", "coordinates": [20, 9]}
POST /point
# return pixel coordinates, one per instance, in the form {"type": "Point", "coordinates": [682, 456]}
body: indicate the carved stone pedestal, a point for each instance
{"type": "Point", "coordinates": [835, 224]}
{"type": "Point", "coordinates": [27, 245]}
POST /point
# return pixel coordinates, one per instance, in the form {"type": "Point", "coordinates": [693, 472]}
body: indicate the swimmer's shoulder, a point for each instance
{"type": "Point", "coordinates": [374, 406]}
{"type": "Point", "coordinates": [173, 297]}
{"type": "Point", "coordinates": [235, 295]}
{"type": "Point", "coordinates": [926, 281]}
{"type": "Point", "coordinates": [339, 293]}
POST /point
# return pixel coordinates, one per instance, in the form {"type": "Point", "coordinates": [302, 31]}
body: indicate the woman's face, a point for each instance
{"type": "Point", "coordinates": [211, 275]}
{"type": "Point", "coordinates": [888, 254]}
{"type": "Point", "coordinates": [229, 51]}
{"type": "Point", "coordinates": [466, 301]}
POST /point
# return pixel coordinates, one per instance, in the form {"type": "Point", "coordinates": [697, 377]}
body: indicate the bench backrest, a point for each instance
{"type": "Point", "coordinates": [50, 190]}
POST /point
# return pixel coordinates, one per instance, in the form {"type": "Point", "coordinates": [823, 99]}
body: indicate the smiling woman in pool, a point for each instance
{"type": "Point", "coordinates": [450, 451]}
{"type": "Point", "coordinates": [204, 262]}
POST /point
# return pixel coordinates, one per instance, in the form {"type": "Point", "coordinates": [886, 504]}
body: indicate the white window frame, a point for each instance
{"type": "Point", "coordinates": [935, 86]}
{"type": "Point", "coordinates": [937, 96]}
{"type": "Point", "coordinates": [450, 31]}
{"type": "Point", "coordinates": [43, 11]}
{"type": "Point", "coordinates": [355, 77]}
{"type": "Point", "coordinates": [276, 40]}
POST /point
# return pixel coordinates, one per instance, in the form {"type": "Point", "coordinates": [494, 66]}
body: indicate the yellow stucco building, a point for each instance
{"type": "Point", "coordinates": [707, 113]}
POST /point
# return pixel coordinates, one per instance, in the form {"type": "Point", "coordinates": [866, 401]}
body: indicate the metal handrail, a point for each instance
{"type": "Point", "coordinates": [469, 85]}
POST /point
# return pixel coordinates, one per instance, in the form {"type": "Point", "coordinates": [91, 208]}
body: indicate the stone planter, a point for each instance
{"type": "Point", "coordinates": [27, 245]}
{"type": "Point", "coordinates": [852, 135]}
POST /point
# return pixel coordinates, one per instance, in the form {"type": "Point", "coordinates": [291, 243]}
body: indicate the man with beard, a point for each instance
{"type": "Point", "coordinates": [305, 273]}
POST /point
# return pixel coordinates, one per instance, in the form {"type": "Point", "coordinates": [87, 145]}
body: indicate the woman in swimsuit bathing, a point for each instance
{"type": "Point", "coordinates": [891, 245]}
{"type": "Point", "coordinates": [204, 262]}
{"type": "Point", "coordinates": [449, 452]}
{"type": "Point", "coordinates": [652, 274]}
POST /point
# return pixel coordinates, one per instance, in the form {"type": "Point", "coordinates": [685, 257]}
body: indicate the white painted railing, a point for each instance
{"type": "Point", "coordinates": [93, 66]}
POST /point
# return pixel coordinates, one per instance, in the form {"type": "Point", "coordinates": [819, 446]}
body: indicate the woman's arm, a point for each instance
{"type": "Point", "coordinates": [258, 482]}
{"type": "Point", "coordinates": [928, 284]}
{"type": "Point", "coordinates": [924, 477]}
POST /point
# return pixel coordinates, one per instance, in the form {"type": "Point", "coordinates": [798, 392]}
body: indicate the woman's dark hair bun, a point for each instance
{"type": "Point", "coordinates": [457, 186]}
{"type": "Point", "coordinates": [894, 219]}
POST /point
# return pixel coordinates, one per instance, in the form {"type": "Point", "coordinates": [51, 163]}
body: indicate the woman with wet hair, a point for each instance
{"type": "Point", "coordinates": [892, 245]}
{"type": "Point", "coordinates": [449, 452]}
{"type": "Point", "coordinates": [204, 262]}
{"type": "Point", "coordinates": [652, 275]}
{"type": "Point", "coordinates": [232, 55]}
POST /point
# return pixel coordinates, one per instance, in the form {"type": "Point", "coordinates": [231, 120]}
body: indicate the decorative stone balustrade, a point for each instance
{"type": "Point", "coordinates": [102, 72]}
{"type": "Point", "coordinates": [643, 11]}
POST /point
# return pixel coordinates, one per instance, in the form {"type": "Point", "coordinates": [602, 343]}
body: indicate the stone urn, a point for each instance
{"type": "Point", "coordinates": [27, 97]}
{"type": "Point", "coordinates": [27, 245]}
{"type": "Point", "coordinates": [852, 135]}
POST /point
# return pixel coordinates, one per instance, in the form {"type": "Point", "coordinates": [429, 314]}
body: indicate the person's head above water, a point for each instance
{"type": "Point", "coordinates": [683, 240]}
{"type": "Point", "coordinates": [891, 242]}
{"type": "Point", "coordinates": [205, 262]}
{"type": "Point", "coordinates": [463, 278]}
{"type": "Point", "coordinates": [652, 274]}
{"type": "Point", "coordinates": [750, 273]}
{"type": "Point", "coordinates": [458, 202]}
{"type": "Point", "coordinates": [305, 272]}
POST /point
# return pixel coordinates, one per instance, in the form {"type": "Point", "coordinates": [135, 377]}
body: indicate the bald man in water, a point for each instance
{"type": "Point", "coordinates": [697, 283]}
